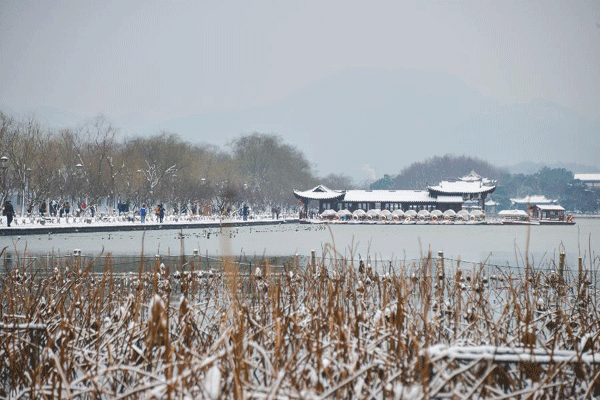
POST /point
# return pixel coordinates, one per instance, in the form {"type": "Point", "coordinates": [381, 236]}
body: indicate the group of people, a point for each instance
{"type": "Point", "coordinates": [63, 209]}
{"type": "Point", "coordinates": [159, 211]}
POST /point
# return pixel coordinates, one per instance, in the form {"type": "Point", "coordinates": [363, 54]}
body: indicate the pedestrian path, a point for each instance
{"type": "Point", "coordinates": [44, 225]}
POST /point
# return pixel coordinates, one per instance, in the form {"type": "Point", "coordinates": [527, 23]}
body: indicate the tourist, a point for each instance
{"type": "Point", "coordinates": [161, 212]}
{"type": "Point", "coordinates": [43, 208]}
{"type": "Point", "coordinates": [143, 213]}
{"type": "Point", "coordinates": [245, 211]}
{"type": "Point", "coordinates": [53, 208]}
{"type": "Point", "coordinates": [9, 212]}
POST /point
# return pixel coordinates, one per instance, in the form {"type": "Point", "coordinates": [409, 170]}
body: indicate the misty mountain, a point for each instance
{"type": "Point", "coordinates": [529, 168]}
{"type": "Point", "coordinates": [389, 119]}
{"type": "Point", "coordinates": [48, 117]}
{"type": "Point", "coordinates": [363, 122]}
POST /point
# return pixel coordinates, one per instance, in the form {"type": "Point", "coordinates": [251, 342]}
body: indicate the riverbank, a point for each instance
{"type": "Point", "coordinates": [42, 226]}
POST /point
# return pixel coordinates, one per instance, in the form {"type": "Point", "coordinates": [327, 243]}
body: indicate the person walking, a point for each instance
{"type": "Point", "coordinates": [161, 212]}
{"type": "Point", "coordinates": [143, 213]}
{"type": "Point", "coordinates": [43, 208]}
{"type": "Point", "coordinates": [9, 212]}
{"type": "Point", "coordinates": [53, 208]}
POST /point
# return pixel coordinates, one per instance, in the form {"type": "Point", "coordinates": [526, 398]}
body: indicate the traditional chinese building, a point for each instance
{"type": "Point", "coordinates": [525, 203]}
{"type": "Point", "coordinates": [445, 196]}
{"type": "Point", "coordinates": [591, 180]}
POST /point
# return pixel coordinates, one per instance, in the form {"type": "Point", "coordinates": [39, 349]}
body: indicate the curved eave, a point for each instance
{"type": "Point", "coordinates": [318, 196]}
{"type": "Point", "coordinates": [399, 200]}
{"type": "Point", "coordinates": [437, 192]}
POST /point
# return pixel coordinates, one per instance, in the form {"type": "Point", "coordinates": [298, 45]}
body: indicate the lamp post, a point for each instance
{"type": "Point", "coordinates": [80, 173]}
{"type": "Point", "coordinates": [28, 184]}
{"type": "Point", "coordinates": [4, 165]}
{"type": "Point", "coordinates": [174, 197]}
{"type": "Point", "coordinates": [25, 190]}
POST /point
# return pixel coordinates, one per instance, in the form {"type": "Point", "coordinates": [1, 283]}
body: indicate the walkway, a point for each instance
{"type": "Point", "coordinates": [39, 226]}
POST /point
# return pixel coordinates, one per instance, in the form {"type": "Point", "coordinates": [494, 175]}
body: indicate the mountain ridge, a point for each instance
{"type": "Point", "coordinates": [363, 119]}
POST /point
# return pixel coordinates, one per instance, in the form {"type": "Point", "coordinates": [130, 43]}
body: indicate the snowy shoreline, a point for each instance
{"type": "Point", "coordinates": [39, 225]}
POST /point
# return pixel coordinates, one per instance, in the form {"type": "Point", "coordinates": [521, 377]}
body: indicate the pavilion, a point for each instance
{"type": "Point", "coordinates": [448, 195]}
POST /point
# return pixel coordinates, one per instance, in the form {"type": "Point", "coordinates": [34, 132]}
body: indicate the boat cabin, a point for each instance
{"type": "Point", "coordinates": [552, 212]}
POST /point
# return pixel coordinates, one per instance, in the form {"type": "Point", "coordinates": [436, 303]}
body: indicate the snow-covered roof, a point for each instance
{"type": "Point", "coordinates": [537, 199]}
{"type": "Point", "coordinates": [392, 196]}
{"type": "Point", "coordinates": [320, 192]}
{"type": "Point", "coordinates": [375, 196]}
{"type": "Point", "coordinates": [491, 203]}
{"type": "Point", "coordinates": [587, 177]}
{"type": "Point", "coordinates": [513, 213]}
{"type": "Point", "coordinates": [550, 207]}
{"type": "Point", "coordinates": [455, 187]}
{"type": "Point", "coordinates": [472, 177]}
{"type": "Point", "coordinates": [475, 177]}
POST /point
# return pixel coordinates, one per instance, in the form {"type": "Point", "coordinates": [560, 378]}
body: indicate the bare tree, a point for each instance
{"type": "Point", "coordinates": [97, 160]}
{"type": "Point", "coordinates": [89, 163]}
{"type": "Point", "coordinates": [271, 168]}
{"type": "Point", "coordinates": [335, 181]}
{"type": "Point", "coordinates": [226, 196]}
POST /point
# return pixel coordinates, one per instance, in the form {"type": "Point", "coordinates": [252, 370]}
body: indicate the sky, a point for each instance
{"type": "Point", "coordinates": [158, 61]}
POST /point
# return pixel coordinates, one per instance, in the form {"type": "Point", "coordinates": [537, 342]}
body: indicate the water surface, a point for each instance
{"type": "Point", "coordinates": [496, 244]}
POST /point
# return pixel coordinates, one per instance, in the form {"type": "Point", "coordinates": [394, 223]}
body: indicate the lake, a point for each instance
{"type": "Point", "coordinates": [496, 244]}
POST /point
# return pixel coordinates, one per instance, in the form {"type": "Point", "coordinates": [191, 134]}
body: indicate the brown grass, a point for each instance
{"type": "Point", "coordinates": [295, 332]}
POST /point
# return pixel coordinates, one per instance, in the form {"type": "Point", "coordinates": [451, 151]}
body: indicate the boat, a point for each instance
{"type": "Point", "coordinates": [516, 217]}
{"type": "Point", "coordinates": [551, 214]}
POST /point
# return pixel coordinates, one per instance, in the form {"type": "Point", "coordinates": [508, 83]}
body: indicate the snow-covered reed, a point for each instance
{"type": "Point", "coordinates": [307, 331]}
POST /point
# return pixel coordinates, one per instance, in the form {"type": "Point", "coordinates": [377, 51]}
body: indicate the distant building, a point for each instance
{"type": "Point", "coordinates": [472, 188]}
{"type": "Point", "coordinates": [445, 196]}
{"type": "Point", "coordinates": [591, 180]}
{"type": "Point", "coordinates": [525, 203]}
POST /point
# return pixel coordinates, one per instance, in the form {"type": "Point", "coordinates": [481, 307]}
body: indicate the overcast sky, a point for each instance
{"type": "Point", "coordinates": [171, 59]}
{"type": "Point", "coordinates": [163, 60]}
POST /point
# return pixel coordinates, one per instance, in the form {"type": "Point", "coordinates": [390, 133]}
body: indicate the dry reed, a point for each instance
{"type": "Point", "coordinates": [303, 331]}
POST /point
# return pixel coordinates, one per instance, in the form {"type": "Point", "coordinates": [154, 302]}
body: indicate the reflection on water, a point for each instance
{"type": "Point", "coordinates": [381, 243]}
{"type": "Point", "coordinates": [43, 264]}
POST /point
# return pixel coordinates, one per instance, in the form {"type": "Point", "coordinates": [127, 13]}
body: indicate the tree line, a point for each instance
{"type": "Point", "coordinates": [554, 183]}
{"type": "Point", "coordinates": [91, 164]}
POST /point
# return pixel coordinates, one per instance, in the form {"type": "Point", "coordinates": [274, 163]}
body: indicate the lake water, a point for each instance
{"type": "Point", "coordinates": [499, 245]}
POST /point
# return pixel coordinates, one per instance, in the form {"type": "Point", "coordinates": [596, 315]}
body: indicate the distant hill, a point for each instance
{"type": "Point", "coordinates": [382, 121]}
{"type": "Point", "coordinates": [390, 119]}
{"type": "Point", "coordinates": [436, 169]}
{"type": "Point", "coordinates": [528, 168]}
